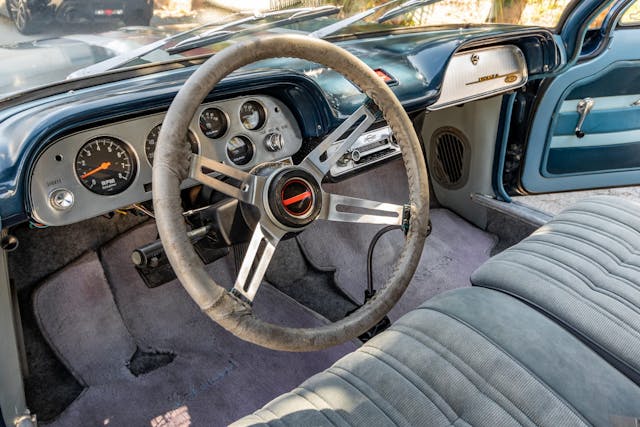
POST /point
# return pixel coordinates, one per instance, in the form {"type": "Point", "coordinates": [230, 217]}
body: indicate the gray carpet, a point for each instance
{"type": "Point", "coordinates": [94, 320]}
{"type": "Point", "coordinates": [49, 386]}
{"type": "Point", "coordinates": [452, 252]}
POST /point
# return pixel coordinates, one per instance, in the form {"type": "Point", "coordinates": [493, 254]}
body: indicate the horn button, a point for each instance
{"type": "Point", "coordinates": [295, 198]}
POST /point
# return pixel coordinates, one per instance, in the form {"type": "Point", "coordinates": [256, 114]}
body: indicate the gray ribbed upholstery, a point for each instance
{"type": "Point", "coordinates": [582, 269]}
{"type": "Point", "coordinates": [468, 357]}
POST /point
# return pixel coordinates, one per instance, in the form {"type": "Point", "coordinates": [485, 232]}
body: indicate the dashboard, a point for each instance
{"type": "Point", "coordinates": [80, 149]}
{"type": "Point", "coordinates": [95, 171]}
{"type": "Point", "coordinates": [109, 167]}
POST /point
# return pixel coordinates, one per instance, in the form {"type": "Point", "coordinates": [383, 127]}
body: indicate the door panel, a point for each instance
{"type": "Point", "coordinates": [609, 153]}
{"type": "Point", "coordinates": [611, 138]}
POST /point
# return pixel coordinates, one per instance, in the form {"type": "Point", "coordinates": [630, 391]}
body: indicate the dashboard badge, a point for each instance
{"type": "Point", "coordinates": [511, 78]}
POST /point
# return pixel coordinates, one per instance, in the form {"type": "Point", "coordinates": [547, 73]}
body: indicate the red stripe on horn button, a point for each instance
{"type": "Point", "coordinates": [295, 199]}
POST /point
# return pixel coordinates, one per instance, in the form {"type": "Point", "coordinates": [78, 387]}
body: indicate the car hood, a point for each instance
{"type": "Point", "coordinates": [44, 61]}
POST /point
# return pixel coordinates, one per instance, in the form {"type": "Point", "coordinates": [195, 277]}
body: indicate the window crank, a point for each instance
{"type": "Point", "coordinates": [584, 108]}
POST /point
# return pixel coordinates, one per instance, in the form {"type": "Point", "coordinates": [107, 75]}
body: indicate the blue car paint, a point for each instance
{"type": "Point", "coordinates": [620, 52]}
{"type": "Point", "coordinates": [417, 60]}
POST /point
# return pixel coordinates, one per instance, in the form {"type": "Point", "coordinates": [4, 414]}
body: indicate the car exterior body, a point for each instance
{"type": "Point", "coordinates": [60, 56]}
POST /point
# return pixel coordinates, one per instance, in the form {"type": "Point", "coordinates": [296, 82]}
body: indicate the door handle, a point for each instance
{"type": "Point", "coordinates": [584, 108]}
{"type": "Point", "coordinates": [636, 104]}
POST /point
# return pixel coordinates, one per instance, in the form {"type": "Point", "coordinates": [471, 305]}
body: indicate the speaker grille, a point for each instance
{"type": "Point", "coordinates": [449, 157]}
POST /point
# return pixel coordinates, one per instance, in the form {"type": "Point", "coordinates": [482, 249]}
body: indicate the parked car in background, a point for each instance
{"type": "Point", "coordinates": [28, 15]}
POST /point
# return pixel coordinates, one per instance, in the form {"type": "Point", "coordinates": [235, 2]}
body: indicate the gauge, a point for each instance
{"type": "Point", "coordinates": [105, 165]}
{"type": "Point", "coordinates": [213, 123]}
{"type": "Point", "coordinates": [252, 115]}
{"type": "Point", "coordinates": [240, 150]}
{"type": "Point", "coordinates": [152, 141]}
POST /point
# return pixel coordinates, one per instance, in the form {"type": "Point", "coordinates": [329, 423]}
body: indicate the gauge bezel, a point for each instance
{"type": "Point", "coordinates": [253, 150]}
{"type": "Point", "coordinates": [130, 151]}
{"type": "Point", "coordinates": [226, 118]}
{"type": "Point", "coordinates": [264, 120]}
{"type": "Point", "coordinates": [146, 139]}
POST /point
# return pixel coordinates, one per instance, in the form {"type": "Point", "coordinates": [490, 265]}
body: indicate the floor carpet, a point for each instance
{"type": "Point", "coordinates": [96, 318]}
{"type": "Point", "coordinates": [452, 252]}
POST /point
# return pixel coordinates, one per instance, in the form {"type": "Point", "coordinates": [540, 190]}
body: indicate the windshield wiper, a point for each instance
{"type": "Point", "coordinates": [119, 60]}
{"type": "Point", "coordinates": [404, 8]}
{"type": "Point", "coordinates": [219, 26]}
{"type": "Point", "coordinates": [334, 28]}
{"type": "Point", "coordinates": [220, 34]}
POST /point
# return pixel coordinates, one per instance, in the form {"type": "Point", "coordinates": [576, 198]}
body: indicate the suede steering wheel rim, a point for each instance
{"type": "Point", "coordinates": [173, 163]}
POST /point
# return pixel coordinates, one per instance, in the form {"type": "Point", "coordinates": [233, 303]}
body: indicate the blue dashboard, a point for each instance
{"type": "Point", "coordinates": [318, 98]}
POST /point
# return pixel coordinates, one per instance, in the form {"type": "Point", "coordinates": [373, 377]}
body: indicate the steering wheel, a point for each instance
{"type": "Point", "coordinates": [289, 198]}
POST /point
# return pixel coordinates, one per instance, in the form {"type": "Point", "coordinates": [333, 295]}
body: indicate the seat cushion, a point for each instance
{"type": "Point", "coordinates": [583, 270]}
{"type": "Point", "coordinates": [468, 357]}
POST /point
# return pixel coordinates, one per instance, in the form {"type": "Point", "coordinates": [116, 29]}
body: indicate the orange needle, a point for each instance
{"type": "Point", "coordinates": [103, 166]}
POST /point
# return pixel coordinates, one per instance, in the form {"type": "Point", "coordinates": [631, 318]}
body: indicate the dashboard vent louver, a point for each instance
{"type": "Point", "coordinates": [449, 157]}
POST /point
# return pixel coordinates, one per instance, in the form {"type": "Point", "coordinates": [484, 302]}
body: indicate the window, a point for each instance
{"type": "Point", "coordinates": [632, 15]}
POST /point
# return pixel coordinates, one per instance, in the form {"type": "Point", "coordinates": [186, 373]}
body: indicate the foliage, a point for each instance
{"type": "Point", "coordinates": [525, 12]}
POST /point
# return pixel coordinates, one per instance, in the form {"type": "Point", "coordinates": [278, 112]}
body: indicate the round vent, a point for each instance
{"type": "Point", "coordinates": [449, 157]}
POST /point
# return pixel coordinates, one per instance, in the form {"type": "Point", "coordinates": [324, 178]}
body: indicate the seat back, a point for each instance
{"type": "Point", "coordinates": [582, 269]}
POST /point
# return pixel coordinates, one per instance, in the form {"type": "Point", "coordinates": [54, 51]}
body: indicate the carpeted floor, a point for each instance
{"type": "Point", "coordinates": [95, 320]}
{"type": "Point", "coordinates": [452, 252]}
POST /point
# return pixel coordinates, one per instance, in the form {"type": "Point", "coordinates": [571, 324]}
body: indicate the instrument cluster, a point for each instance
{"type": "Point", "coordinates": [98, 170]}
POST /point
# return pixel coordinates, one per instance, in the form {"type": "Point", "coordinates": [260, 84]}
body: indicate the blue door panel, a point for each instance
{"type": "Point", "coordinates": [624, 80]}
{"type": "Point", "coordinates": [605, 121]}
{"type": "Point", "coordinates": [612, 128]}
{"type": "Point", "coordinates": [609, 154]}
{"type": "Point", "coordinates": [590, 159]}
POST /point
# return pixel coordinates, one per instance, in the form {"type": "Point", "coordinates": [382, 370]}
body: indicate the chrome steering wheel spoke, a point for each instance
{"type": "Point", "coordinates": [320, 160]}
{"type": "Point", "coordinates": [340, 208]}
{"type": "Point", "coordinates": [261, 248]}
{"type": "Point", "coordinates": [243, 186]}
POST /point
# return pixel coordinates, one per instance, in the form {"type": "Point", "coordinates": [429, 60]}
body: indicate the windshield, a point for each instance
{"type": "Point", "coordinates": [41, 44]}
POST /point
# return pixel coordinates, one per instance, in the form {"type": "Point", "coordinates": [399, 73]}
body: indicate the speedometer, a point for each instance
{"type": "Point", "coordinates": [105, 165]}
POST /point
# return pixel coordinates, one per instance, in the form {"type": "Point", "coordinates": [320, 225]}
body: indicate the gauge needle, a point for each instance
{"type": "Point", "coordinates": [295, 199]}
{"type": "Point", "coordinates": [103, 166]}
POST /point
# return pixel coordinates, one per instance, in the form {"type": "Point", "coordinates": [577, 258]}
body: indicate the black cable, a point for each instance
{"type": "Point", "coordinates": [370, 291]}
